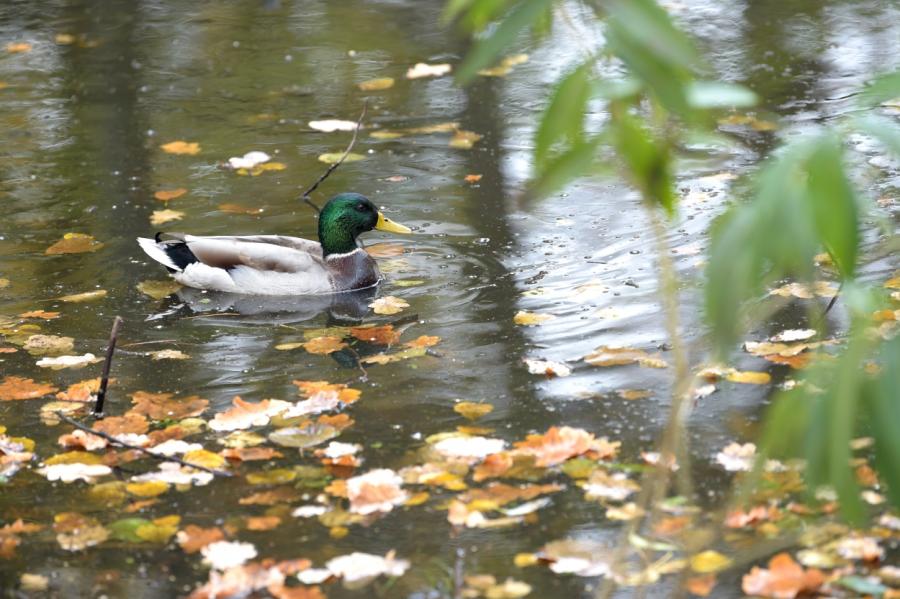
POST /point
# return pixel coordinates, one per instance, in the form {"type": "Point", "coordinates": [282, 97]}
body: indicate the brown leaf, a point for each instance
{"type": "Point", "coordinates": [132, 423]}
{"type": "Point", "coordinates": [473, 178]}
{"type": "Point", "coordinates": [74, 243]}
{"type": "Point", "coordinates": [384, 335]}
{"type": "Point", "coordinates": [251, 454]}
{"type": "Point", "coordinates": [239, 209]}
{"type": "Point", "coordinates": [785, 579]}
{"type": "Point", "coordinates": [271, 497]}
{"type": "Point", "coordinates": [194, 538]}
{"type": "Point", "coordinates": [345, 394]}
{"type": "Point", "coordinates": [324, 345]}
{"type": "Point", "coordinates": [164, 195]}
{"type": "Point", "coordinates": [161, 406]}
{"type": "Point", "coordinates": [423, 341]}
{"type": "Point", "coordinates": [39, 314]}
{"type": "Point", "coordinates": [18, 47]}
{"type": "Point", "coordinates": [701, 585]}
{"type": "Point", "coordinates": [16, 388]}
{"type": "Point", "coordinates": [559, 444]}
{"type": "Point", "coordinates": [82, 391]}
{"type": "Point", "coordinates": [263, 522]}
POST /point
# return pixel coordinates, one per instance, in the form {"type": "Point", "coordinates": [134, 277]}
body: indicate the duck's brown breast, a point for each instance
{"type": "Point", "coordinates": [354, 270]}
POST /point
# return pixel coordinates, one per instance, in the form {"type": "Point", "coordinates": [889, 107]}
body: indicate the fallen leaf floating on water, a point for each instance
{"type": "Point", "coordinates": [83, 391]}
{"type": "Point", "coordinates": [161, 217]}
{"type": "Point", "coordinates": [333, 157]}
{"type": "Point", "coordinates": [449, 127]}
{"type": "Point", "coordinates": [48, 344]}
{"type": "Point", "coordinates": [87, 296]}
{"type": "Point", "coordinates": [506, 65]}
{"type": "Point", "coordinates": [748, 120]}
{"type": "Point", "coordinates": [606, 356]}
{"type": "Point", "coordinates": [524, 317]}
{"type": "Point", "coordinates": [40, 314]}
{"type": "Point", "coordinates": [165, 195]}
{"type": "Point", "coordinates": [251, 454]}
{"type": "Point", "coordinates": [473, 178]}
{"type": "Point", "coordinates": [18, 47]}
{"type": "Point", "coordinates": [14, 388]}
{"type": "Point", "coordinates": [422, 69]}
{"type": "Point", "coordinates": [311, 388]}
{"type": "Point", "coordinates": [374, 85]}
{"type": "Point", "coordinates": [175, 474]}
{"type": "Point", "coordinates": [547, 367]}
{"type": "Point", "coordinates": [388, 305]}
{"type": "Point", "coordinates": [784, 579]}
{"type": "Point", "coordinates": [581, 557]}
{"type": "Point", "coordinates": [559, 444]}
{"type": "Point", "coordinates": [749, 377]}
{"type": "Point", "coordinates": [700, 586]}
{"type": "Point", "coordinates": [790, 335]}
{"type": "Point", "coordinates": [4, 283]}
{"type": "Point", "coordinates": [485, 585]}
{"type": "Point", "coordinates": [309, 435]}
{"type": "Point", "coordinates": [614, 487]}
{"type": "Point", "coordinates": [472, 410]}
{"type": "Point", "coordinates": [76, 532]}
{"type": "Point", "coordinates": [169, 354]}
{"type": "Point", "coordinates": [245, 414]}
{"type": "Point", "coordinates": [464, 140]}
{"type": "Point", "coordinates": [825, 289]}
{"type": "Point", "coordinates": [61, 362]}
{"type": "Point", "coordinates": [34, 583]}
{"type": "Point", "coordinates": [468, 448]}
{"type": "Point", "coordinates": [359, 569]}
{"type": "Point", "coordinates": [423, 341]}
{"type": "Point", "coordinates": [322, 345]}
{"type": "Point", "coordinates": [194, 538]}
{"type": "Point", "coordinates": [375, 491]}
{"type": "Point", "coordinates": [331, 125]}
{"type": "Point", "coordinates": [240, 209]}
{"type": "Point", "coordinates": [384, 335]}
{"type": "Point", "coordinates": [221, 555]}
{"type": "Point", "coordinates": [736, 457]}
{"type": "Point", "coordinates": [74, 243]}
{"type": "Point", "coordinates": [163, 406]}
{"type": "Point", "coordinates": [71, 472]}
{"type": "Point", "coordinates": [708, 562]}
{"type": "Point", "coordinates": [406, 354]}
{"type": "Point", "coordinates": [248, 160]}
{"type": "Point", "coordinates": [181, 147]}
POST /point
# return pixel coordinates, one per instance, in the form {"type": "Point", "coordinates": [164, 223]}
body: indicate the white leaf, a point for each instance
{"type": "Point", "coordinates": [328, 126]}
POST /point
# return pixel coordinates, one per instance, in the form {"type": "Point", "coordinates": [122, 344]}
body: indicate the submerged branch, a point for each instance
{"type": "Point", "coordinates": [331, 168]}
{"type": "Point", "coordinates": [104, 378]}
{"type": "Point", "coordinates": [144, 450]}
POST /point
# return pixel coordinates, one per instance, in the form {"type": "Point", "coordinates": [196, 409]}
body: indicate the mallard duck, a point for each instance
{"type": "Point", "coordinates": [280, 265]}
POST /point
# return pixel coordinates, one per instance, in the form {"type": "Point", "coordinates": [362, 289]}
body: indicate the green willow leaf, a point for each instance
{"type": "Point", "coordinates": [564, 117]}
{"type": "Point", "coordinates": [573, 163]}
{"type": "Point", "coordinates": [882, 129]}
{"type": "Point", "coordinates": [713, 94]}
{"type": "Point", "coordinates": [884, 88]}
{"type": "Point", "coordinates": [648, 161]}
{"type": "Point", "coordinates": [833, 203]}
{"type": "Point", "coordinates": [486, 51]}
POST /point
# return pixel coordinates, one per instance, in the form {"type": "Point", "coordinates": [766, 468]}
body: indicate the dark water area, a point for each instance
{"type": "Point", "coordinates": [80, 132]}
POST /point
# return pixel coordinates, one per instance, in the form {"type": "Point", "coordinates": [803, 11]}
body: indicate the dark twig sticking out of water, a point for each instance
{"type": "Point", "coordinates": [305, 196]}
{"type": "Point", "coordinates": [156, 456]}
{"type": "Point", "coordinates": [104, 379]}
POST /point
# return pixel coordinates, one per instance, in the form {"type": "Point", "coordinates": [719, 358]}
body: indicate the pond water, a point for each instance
{"type": "Point", "coordinates": [82, 124]}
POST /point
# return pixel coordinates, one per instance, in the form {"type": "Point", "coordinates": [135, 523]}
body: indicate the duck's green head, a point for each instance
{"type": "Point", "coordinates": [347, 215]}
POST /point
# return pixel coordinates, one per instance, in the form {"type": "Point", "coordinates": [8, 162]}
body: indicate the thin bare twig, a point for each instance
{"type": "Point", "coordinates": [145, 451]}
{"type": "Point", "coordinates": [305, 195]}
{"type": "Point", "coordinates": [104, 379]}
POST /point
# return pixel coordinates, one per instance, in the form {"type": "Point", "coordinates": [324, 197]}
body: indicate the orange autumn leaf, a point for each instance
{"type": "Point", "coordinates": [345, 394]}
{"type": "Point", "coordinates": [324, 345]}
{"type": "Point", "coordinates": [39, 314]}
{"type": "Point", "coordinates": [8, 350]}
{"type": "Point", "coordinates": [423, 341]}
{"type": "Point", "coordinates": [161, 406]}
{"type": "Point", "coordinates": [181, 147]}
{"type": "Point", "coordinates": [559, 444]}
{"type": "Point", "coordinates": [130, 423]}
{"type": "Point", "coordinates": [16, 388]}
{"type": "Point", "coordinates": [239, 209]}
{"type": "Point", "coordinates": [759, 513]}
{"type": "Point", "coordinates": [701, 585]}
{"type": "Point", "coordinates": [74, 243]}
{"type": "Point", "coordinates": [785, 579]}
{"type": "Point", "coordinates": [18, 47]}
{"type": "Point", "coordinates": [493, 466]}
{"type": "Point", "coordinates": [338, 421]}
{"type": "Point", "coordinates": [263, 522]}
{"type": "Point", "coordinates": [164, 195]}
{"type": "Point", "coordinates": [244, 414]}
{"type": "Point", "coordinates": [473, 178]}
{"type": "Point", "coordinates": [384, 335]}
{"type": "Point", "coordinates": [194, 538]}
{"type": "Point", "coordinates": [250, 454]}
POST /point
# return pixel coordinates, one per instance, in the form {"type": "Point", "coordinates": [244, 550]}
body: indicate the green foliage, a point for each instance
{"type": "Point", "coordinates": [802, 201]}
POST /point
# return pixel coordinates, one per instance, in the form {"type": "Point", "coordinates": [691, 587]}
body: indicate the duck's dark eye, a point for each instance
{"type": "Point", "coordinates": [361, 207]}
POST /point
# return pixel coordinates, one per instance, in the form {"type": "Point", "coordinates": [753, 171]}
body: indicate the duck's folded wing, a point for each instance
{"type": "Point", "coordinates": [262, 252]}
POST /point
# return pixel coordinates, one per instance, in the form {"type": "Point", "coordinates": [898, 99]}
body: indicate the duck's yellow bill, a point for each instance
{"type": "Point", "coordinates": [385, 224]}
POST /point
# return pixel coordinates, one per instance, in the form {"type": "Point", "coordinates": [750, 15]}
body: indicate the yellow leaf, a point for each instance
{"type": "Point", "coordinates": [527, 318]}
{"type": "Point", "coordinates": [4, 283]}
{"type": "Point", "coordinates": [18, 47]}
{"type": "Point", "coordinates": [374, 85]}
{"type": "Point", "coordinates": [74, 457]}
{"type": "Point", "coordinates": [323, 345]}
{"type": "Point", "coordinates": [87, 296]}
{"type": "Point", "coordinates": [158, 531]}
{"type": "Point", "coordinates": [472, 410]}
{"type": "Point", "coordinates": [39, 314]}
{"type": "Point", "coordinates": [150, 488]}
{"type": "Point", "coordinates": [749, 377]}
{"type": "Point", "coordinates": [111, 493]}
{"type": "Point", "coordinates": [74, 243]}
{"type": "Point", "coordinates": [206, 458]}
{"type": "Point", "coordinates": [464, 140]}
{"type": "Point", "coordinates": [181, 147]}
{"type": "Point", "coordinates": [524, 560]}
{"type": "Point", "coordinates": [709, 561]}
{"type": "Point", "coordinates": [333, 157]}
{"type": "Point", "coordinates": [64, 39]}
{"type": "Point", "coordinates": [161, 217]}
{"type": "Point", "coordinates": [417, 499]}
{"type": "Point", "coordinates": [271, 477]}
{"type": "Point", "coordinates": [893, 283]}
{"type": "Point", "coordinates": [338, 532]}
{"type": "Point", "coordinates": [158, 289]}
